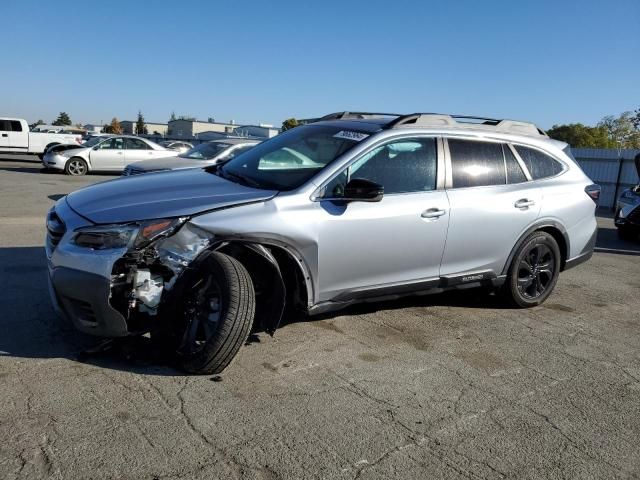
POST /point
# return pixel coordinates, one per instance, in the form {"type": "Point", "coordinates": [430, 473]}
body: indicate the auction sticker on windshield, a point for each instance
{"type": "Point", "coordinates": [348, 135]}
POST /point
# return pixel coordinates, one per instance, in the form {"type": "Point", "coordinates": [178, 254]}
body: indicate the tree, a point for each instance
{"type": "Point", "coordinates": [141, 128]}
{"type": "Point", "coordinates": [113, 127]}
{"type": "Point", "coordinates": [63, 119]}
{"type": "Point", "coordinates": [289, 123]}
{"type": "Point", "coordinates": [636, 119]}
{"type": "Point", "coordinates": [581, 136]}
{"type": "Point", "coordinates": [621, 131]}
{"type": "Point", "coordinates": [172, 117]}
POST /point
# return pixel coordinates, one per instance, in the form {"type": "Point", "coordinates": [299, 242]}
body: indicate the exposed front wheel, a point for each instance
{"type": "Point", "coordinates": [534, 271]}
{"type": "Point", "coordinates": [76, 166]}
{"type": "Point", "coordinates": [213, 317]}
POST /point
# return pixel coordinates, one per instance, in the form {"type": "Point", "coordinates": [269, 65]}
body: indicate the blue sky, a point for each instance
{"type": "Point", "coordinates": [544, 61]}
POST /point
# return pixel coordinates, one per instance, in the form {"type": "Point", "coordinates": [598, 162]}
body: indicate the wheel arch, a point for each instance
{"type": "Point", "coordinates": [281, 281]}
{"type": "Point", "coordinates": [553, 228]}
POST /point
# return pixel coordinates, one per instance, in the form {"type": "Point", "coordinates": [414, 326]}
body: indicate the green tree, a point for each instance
{"type": "Point", "coordinates": [141, 128]}
{"type": "Point", "coordinates": [63, 119]}
{"type": "Point", "coordinates": [581, 136]}
{"type": "Point", "coordinates": [172, 117]}
{"type": "Point", "coordinates": [621, 131]}
{"type": "Point", "coordinates": [636, 119]}
{"type": "Point", "coordinates": [289, 123]}
{"type": "Point", "coordinates": [113, 127]}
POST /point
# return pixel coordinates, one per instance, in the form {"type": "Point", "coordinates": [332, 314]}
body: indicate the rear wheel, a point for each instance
{"type": "Point", "coordinates": [213, 318]}
{"type": "Point", "coordinates": [534, 271]}
{"type": "Point", "coordinates": [76, 166]}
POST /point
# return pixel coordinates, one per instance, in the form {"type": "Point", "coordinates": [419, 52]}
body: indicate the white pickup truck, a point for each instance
{"type": "Point", "coordinates": [15, 137]}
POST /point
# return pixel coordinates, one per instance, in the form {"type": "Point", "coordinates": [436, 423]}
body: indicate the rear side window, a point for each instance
{"type": "Point", "coordinates": [5, 126]}
{"type": "Point", "coordinates": [540, 164]}
{"type": "Point", "coordinates": [16, 126]}
{"type": "Point", "coordinates": [514, 171]}
{"type": "Point", "coordinates": [135, 144]}
{"type": "Point", "coordinates": [476, 164]}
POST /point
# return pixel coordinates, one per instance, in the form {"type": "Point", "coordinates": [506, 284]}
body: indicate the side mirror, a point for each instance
{"type": "Point", "coordinates": [361, 190]}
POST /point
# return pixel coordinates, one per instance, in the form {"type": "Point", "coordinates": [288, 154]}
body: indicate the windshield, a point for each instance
{"type": "Point", "coordinates": [93, 141]}
{"type": "Point", "coordinates": [204, 151]}
{"type": "Point", "coordinates": [290, 159]}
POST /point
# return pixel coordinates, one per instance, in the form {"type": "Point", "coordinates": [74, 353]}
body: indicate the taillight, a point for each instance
{"type": "Point", "coordinates": [593, 191]}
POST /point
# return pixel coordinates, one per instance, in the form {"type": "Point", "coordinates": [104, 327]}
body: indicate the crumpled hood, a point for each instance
{"type": "Point", "coordinates": [170, 163]}
{"type": "Point", "coordinates": [161, 195]}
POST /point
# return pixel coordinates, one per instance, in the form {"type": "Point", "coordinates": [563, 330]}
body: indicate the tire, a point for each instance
{"type": "Point", "coordinates": [534, 271]}
{"type": "Point", "coordinates": [626, 233]}
{"type": "Point", "coordinates": [213, 316]}
{"type": "Point", "coordinates": [76, 167]}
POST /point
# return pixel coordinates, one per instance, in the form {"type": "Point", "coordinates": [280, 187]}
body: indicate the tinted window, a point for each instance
{"type": "Point", "coordinates": [402, 166]}
{"type": "Point", "coordinates": [476, 164]}
{"type": "Point", "coordinates": [514, 171]}
{"type": "Point", "coordinates": [16, 126]}
{"type": "Point", "coordinates": [540, 164]}
{"type": "Point", "coordinates": [5, 126]}
{"type": "Point", "coordinates": [135, 144]}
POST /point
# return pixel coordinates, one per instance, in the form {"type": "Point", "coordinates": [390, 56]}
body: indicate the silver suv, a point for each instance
{"type": "Point", "coordinates": [354, 207]}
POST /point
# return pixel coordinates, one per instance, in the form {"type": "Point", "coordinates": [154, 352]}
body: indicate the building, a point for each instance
{"type": "Point", "coordinates": [129, 127]}
{"type": "Point", "coordinates": [187, 129]}
{"type": "Point", "coordinates": [93, 128]}
{"type": "Point", "coordinates": [262, 131]}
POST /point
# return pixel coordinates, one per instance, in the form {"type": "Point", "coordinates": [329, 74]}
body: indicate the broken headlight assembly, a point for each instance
{"type": "Point", "coordinates": [133, 236]}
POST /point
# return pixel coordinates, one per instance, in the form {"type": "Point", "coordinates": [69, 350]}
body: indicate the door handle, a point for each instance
{"type": "Point", "coordinates": [5, 134]}
{"type": "Point", "coordinates": [524, 203]}
{"type": "Point", "coordinates": [119, 153]}
{"type": "Point", "coordinates": [433, 213]}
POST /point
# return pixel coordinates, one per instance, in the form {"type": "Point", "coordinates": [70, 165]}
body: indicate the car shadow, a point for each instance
{"type": "Point", "coordinates": [608, 241]}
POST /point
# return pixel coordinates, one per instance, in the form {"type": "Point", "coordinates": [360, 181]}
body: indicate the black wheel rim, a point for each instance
{"type": "Point", "coordinates": [536, 271]}
{"type": "Point", "coordinates": [203, 310]}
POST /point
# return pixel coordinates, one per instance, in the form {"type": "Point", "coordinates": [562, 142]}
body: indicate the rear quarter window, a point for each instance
{"type": "Point", "coordinates": [539, 164]}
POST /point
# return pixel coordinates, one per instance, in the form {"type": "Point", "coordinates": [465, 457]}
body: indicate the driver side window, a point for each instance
{"type": "Point", "coordinates": [402, 166]}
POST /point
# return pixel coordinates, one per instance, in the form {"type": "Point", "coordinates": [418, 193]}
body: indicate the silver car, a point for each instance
{"type": "Point", "coordinates": [356, 207]}
{"type": "Point", "coordinates": [106, 153]}
{"type": "Point", "coordinates": [205, 154]}
{"type": "Point", "coordinates": [180, 147]}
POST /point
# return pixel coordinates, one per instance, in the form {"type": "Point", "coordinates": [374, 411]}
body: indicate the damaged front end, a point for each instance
{"type": "Point", "coordinates": [142, 278]}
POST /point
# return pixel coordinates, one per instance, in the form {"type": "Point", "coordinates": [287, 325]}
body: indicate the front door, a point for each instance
{"type": "Point", "coordinates": [395, 245]}
{"type": "Point", "coordinates": [108, 155]}
{"type": "Point", "coordinates": [5, 131]}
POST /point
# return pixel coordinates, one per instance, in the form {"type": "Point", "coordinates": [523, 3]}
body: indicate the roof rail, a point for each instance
{"type": "Point", "coordinates": [355, 115]}
{"type": "Point", "coordinates": [483, 123]}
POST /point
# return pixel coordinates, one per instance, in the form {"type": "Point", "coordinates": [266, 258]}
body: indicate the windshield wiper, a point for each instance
{"type": "Point", "coordinates": [239, 178]}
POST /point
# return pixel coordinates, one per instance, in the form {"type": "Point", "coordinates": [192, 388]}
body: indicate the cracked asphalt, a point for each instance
{"type": "Point", "coordinates": [449, 386]}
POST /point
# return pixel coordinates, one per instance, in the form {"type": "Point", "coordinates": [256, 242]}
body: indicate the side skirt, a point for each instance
{"type": "Point", "coordinates": [378, 294]}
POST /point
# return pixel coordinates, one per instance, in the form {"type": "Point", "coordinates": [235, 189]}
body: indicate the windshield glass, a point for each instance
{"type": "Point", "coordinates": [287, 161]}
{"type": "Point", "coordinates": [204, 151]}
{"type": "Point", "coordinates": [93, 141]}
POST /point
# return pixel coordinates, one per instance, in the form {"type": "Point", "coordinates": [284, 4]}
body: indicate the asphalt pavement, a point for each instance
{"type": "Point", "coordinates": [442, 386]}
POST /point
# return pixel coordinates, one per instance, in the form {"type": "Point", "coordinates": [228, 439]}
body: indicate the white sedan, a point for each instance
{"type": "Point", "coordinates": [109, 154]}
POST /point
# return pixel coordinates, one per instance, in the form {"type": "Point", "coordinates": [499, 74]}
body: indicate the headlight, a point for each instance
{"type": "Point", "coordinates": [629, 194]}
{"type": "Point", "coordinates": [131, 235]}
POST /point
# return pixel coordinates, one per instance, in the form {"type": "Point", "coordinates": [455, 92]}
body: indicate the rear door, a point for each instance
{"type": "Point", "coordinates": [492, 202]}
{"type": "Point", "coordinates": [108, 155]}
{"type": "Point", "coordinates": [18, 136]}
{"type": "Point", "coordinates": [137, 150]}
{"type": "Point", "coordinates": [5, 130]}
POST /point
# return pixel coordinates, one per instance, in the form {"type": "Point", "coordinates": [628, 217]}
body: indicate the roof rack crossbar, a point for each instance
{"type": "Point", "coordinates": [444, 120]}
{"type": "Point", "coordinates": [345, 115]}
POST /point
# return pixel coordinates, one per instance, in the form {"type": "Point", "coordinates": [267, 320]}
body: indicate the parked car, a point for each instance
{"type": "Point", "coordinates": [202, 155]}
{"type": "Point", "coordinates": [104, 154]}
{"type": "Point", "coordinates": [15, 137]}
{"type": "Point", "coordinates": [363, 209]}
{"type": "Point", "coordinates": [176, 145]}
{"type": "Point", "coordinates": [627, 216]}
